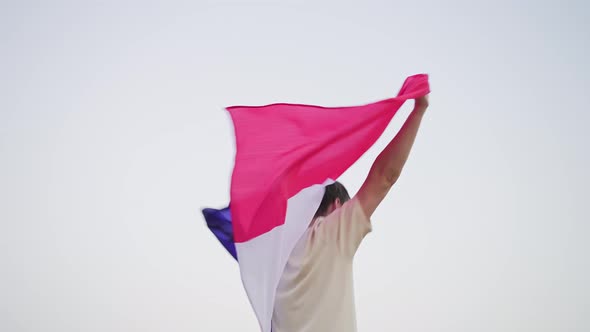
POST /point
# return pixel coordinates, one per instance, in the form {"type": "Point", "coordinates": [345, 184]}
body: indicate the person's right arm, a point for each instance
{"type": "Point", "coordinates": [389, 164]}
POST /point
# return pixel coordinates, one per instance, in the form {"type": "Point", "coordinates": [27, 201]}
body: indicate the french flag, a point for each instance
{"type": "Point", "coordinates": [285, 156]}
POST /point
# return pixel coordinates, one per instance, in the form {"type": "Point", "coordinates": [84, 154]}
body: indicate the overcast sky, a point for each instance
{"type": "Point", "coordinates": [113, 135]}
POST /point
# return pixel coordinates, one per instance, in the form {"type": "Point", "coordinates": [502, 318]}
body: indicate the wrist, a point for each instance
{"type": "Point", "coordinates": [421, 103]}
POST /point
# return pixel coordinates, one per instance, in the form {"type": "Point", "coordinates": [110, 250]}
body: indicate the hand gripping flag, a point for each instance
{"type": "Point", "coordinates": [285, 156]}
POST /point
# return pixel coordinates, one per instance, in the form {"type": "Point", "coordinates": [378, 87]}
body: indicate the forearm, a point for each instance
{"type": "Point", "coordinates": [390, 162]}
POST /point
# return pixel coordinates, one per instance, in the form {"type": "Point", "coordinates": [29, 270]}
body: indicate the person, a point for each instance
{"type": "Point", "coordinates": [315, 292]}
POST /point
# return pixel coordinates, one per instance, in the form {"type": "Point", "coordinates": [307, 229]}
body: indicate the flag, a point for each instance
{"type": "Point", "coordinates": [285, 156]}
{"type": "Point", "coordinates": [219, 222]}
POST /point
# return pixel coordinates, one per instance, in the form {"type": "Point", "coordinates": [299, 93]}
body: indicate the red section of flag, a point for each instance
{"type": "Point", "coordinates": [284, 148]}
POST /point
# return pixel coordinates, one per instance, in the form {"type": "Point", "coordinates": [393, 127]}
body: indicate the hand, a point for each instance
{"type": "Point", "coordinates": [421, 103]}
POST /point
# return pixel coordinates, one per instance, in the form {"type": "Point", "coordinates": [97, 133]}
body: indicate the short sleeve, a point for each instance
{"type": "Point", "coordinates": [346, 227]}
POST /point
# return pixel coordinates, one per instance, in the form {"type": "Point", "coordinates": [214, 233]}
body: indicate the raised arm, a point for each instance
{"type": "Point", "coordinates": [389, 164]}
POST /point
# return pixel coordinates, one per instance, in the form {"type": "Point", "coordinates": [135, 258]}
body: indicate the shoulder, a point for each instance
{"type": "Point", "coordinates": [352, 210]}
{"type": "Point", "coordinates": [349, 218]}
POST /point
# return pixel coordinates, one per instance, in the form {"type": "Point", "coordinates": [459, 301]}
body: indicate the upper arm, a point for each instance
{"type": "Point", "coordinates": [373, 191]}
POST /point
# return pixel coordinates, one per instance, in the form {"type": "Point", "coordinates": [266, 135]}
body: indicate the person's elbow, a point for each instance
{"type": "Point", "coordinates": [390, 177]}
{"type": "Point", "coordinates": [375, 189]}
{"type": "Point", "coordinates": [382, 179]}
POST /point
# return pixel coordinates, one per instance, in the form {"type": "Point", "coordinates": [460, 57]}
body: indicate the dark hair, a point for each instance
{"type": "Point", "coordinates": [333, 191]}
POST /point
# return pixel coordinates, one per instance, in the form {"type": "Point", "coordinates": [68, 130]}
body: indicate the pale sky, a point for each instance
{"type": "Point", "coordinates": [113, 136]}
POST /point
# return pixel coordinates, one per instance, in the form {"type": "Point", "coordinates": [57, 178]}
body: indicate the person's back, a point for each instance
{"type": "Point", "coordinates": [316, 290]}
{"type": "Point", "coordinates": [315, 293]}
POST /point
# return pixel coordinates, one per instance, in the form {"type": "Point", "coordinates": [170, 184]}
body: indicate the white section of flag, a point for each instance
{"type": "Point", "coordinates": [263, 259]}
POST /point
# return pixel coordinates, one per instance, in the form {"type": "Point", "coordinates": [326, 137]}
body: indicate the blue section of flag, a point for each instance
{"type": "Point", "coordinates": [219, 222]}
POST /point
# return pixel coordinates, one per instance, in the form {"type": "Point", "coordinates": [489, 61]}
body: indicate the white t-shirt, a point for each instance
{"type": "Point", "coordinates": [315, 293]}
